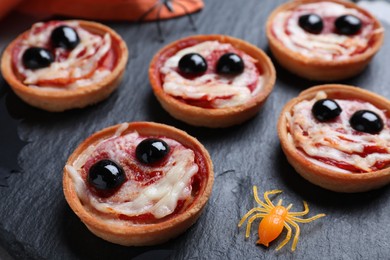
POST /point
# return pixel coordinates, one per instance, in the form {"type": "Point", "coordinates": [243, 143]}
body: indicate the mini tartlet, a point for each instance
{"type": "Point", "coordinates": [194, 103]}
{"type": "Point", "coordinates": [340, 152]}
{"type": "Point", "coordinates": [325, 53]}
{"type": "Point", "coordinates": [154, 201]}
{"type": "Point", "coordinates": [79, 73]}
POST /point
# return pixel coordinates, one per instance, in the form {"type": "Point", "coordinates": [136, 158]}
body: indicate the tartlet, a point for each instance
{"type": "Point", "coordinates": [338, 154]}
{"type": "Point", "coordinates": [60, 86]}
{"type": "Point", "coordinates": [135, 213]}
{"type": "Point", "coordinates": [202, 110]}
{"type": "Point", "coordinates": [325, 53]}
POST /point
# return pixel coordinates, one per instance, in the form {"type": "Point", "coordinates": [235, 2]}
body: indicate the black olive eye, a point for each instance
{"type": "Point", "coordinates": [106, 175]}
{"type": "Point", "coordinates": [37, 58]}
{"type": "Point", "coordinates": [151, 150]}
{"type": "Point", "coordinates": [192, 64]}
{"type": "Point", "coordinates": [348, 24]}
{"type": "Point", "coordinates": [326, 109]}
{"type": "Point", "coordinates": [64, 37]}
{"type": "Point", "coordinates": [366, 121]}
{"type": "Point", "coordinates": [230, 64]}
{"type": "Point", "coordinates": [311, 23]}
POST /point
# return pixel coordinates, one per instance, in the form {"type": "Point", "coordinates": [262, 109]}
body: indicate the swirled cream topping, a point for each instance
{"type": "Point", "coordinates": [71, 69]}
{"type": "Point", "coordinates": [335, 144]}
{"type": "Point", "coordinates": [328, 45]}
{"type": "Point", "coordinates": [210, 89]}
{"type": "Point", "coordinates": [154, 190]}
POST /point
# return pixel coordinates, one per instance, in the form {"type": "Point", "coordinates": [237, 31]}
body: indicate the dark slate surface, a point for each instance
{"type": "Point", "coordinates": [36, 222]}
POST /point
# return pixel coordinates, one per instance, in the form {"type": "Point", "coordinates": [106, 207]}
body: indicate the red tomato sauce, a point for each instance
{"type": "Point", "coordinates": [212, 59]}
{"type": "Point", "coordinates": [145, 176]}
{"type": "Point", "coordinates": [329, 28]}
{"type": "Point", "coordinates": [107, 62]}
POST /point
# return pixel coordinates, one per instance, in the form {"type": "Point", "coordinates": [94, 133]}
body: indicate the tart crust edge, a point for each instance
{"type": "Point", "coordinates": [60, 100]}
{"type": "Point", "coordinates": [215, 117]}
{"type": "Point", "coordinates": [326, 178]}
{"type": "Point", "coordinates": [142, 234]}
{"type": "Point", "coordinates": [316, 69]}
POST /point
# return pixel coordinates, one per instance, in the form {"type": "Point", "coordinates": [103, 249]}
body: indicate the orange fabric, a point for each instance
{"type": "Point", "coordinates": [7, 5]}
{"type": "Point", "coordinates": [130, 10]}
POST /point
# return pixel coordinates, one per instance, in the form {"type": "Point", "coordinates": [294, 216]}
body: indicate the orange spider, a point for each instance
{"type": "Point", "coordinates": [274, 219]}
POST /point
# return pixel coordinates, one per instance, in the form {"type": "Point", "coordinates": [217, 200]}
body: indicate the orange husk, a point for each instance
{"type": "Point", "coordinates": [128, 10]}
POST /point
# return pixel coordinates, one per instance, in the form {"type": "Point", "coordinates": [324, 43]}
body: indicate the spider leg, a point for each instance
{"type": "Point", "coordinates": [288, 236]}
{"type": "Point", "coordinates": [249, 213]}
{"type": "Point", "coordinates": [143, 16]}
{"type": "Point", "coordinates": [157, 5]}
{"type": "Point", "coordinates": [306, 220]}
{"type": "Point", "coordinates": [187, 14]}
{"type": "Point", "coordinates": [168, 5]}
{"type": "Point", "coordinates": [297, 233]}
{"type": "Point", "coordinates": [267, 193]}
{"type": "Point", "coordinates": [302, 213]}
{"type": "Point", "coordinates": [191, 1]}
{"type": "Point", "coordinates": [257, 199]}
{"type": "Point", "coordinates": [160, 34]}
{"type": "Point", "coordinates": [253, 218]}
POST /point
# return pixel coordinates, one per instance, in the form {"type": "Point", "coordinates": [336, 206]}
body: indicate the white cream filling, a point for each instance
{"type": "Point", "coordinates": [81, 62]}
{"type": "Point", "coordinates": [132, 199]}
{"type": "Point", "coordinates": [220, 91]}
{"type": "Point", "coordinates": [329, 140]}
{"type": "Point", "coordinates": [327, 46]}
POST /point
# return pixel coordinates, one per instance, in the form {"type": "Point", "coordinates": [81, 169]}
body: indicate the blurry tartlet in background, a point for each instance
{"type": "Point", "coordinates": [60, 65]}
{"type": "Point", "coordinates": [323, 40]}
{"type": "Point", "coordinates": [211, 80]}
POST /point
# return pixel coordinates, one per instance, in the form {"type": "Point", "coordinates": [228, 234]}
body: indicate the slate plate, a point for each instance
{"type": "Point", "coordinates": [36, 222]}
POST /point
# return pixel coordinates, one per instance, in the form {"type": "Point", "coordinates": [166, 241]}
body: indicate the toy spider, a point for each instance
{"type": "Point", "coordinates": [159, 5]}
{"type": "Point", "coordinates": [274, 219]}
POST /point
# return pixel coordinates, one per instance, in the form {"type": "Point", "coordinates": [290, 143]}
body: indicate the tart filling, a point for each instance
{"type": "Point", "coordinates": [150, 192]}
{"type": "Point", "coordinates": [89, 62]}
{"type": "Point", "coordinates": [335, 144]}
{"type": "Point", "coordinates": [211, 90]}
{"type": "Point", "coordinates": [328, 44]}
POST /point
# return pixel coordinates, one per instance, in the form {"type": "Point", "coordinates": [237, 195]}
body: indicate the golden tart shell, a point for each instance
{"type": "Point", "coordinates": [212, 117]}
{"type": "Point", "coordinates": [314, 68]}
{"type": "Point", "coordinates": [142, 234]}
{"type": "Point", "coordinates": [62, 99]}
{"type": "Point", "coordinates": [323, 177]}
